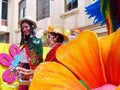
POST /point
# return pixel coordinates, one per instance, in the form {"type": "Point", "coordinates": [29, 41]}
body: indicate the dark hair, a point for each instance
{"type": "Point", "coordinates": [25, 38]}
{"type": "Point", "coordinates": [59, 36]}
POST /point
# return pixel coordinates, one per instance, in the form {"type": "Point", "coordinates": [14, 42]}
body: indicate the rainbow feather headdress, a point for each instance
{"type": "Point", "coordinates": [105, 11]}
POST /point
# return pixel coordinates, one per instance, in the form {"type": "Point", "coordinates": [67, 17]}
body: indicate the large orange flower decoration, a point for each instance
{"type": "Point", "coordinates": [95, 60]}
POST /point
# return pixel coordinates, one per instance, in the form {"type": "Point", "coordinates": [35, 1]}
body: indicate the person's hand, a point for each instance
{"type": "Point", "coordinates": [14, 71]}
{"type": "Point", "coordinates": [24, 71]}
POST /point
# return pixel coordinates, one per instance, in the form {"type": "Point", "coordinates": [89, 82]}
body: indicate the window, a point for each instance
{"type": "Point", "coordinates": [70, 4]}
{"type": "Point", "coordinates": [43, 9]}
{"type": "Point", "coordinates": [4, 9]}
{"type": "Point", "coordinates": [4, 13]}
{"type": "Point", "coordinates": [4, 38]}
{"type": "Point", "coordinates": [22, 9]}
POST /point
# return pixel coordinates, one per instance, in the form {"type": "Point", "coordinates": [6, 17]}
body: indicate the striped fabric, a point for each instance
{"type": "Point", "coordinates": [110, 10]}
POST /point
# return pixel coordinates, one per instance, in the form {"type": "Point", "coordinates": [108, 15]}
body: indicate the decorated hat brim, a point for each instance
{"type": "Point", "coordinates": [22, 20]}
{"type": "Point", "coordinates": [64, 36]}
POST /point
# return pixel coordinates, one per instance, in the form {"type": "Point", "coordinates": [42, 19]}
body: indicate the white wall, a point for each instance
{"type": "Point", "coordinates": [71, 19]}
{"type": "Point", "coordinates": [31, 9]}
{"type": "Point", "coordinates": [13, 19]}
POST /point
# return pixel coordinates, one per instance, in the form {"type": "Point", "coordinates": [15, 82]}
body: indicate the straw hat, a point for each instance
{"type": "Point", "coordinates": [58, 29]}
{"type": "Point", "coordinates": [27, 19]}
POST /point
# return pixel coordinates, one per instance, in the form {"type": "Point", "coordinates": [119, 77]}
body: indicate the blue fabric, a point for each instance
{"type": "Point", "coordinates": [15, 62]}
{"type": "Point", "coordinates": [73, 1]}
{"type": "Point", "coordinates": [93, 11]}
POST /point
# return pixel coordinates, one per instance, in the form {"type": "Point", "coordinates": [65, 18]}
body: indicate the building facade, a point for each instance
{"type": "Point", "coordinates": [69, 14]}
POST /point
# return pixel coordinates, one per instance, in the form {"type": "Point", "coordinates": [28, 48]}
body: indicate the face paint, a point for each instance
{"type": "Point", "coordinates": [50, 39]}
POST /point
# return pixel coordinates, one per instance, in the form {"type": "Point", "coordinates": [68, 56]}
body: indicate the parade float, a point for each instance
{"type": "Point", "coordinates": [94, 60]}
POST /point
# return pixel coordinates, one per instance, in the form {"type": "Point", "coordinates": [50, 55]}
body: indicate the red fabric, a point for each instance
{"type": "Point", "coordinates": [51, 54]}
{"type": "Point", "coordinates": [29, 57]}
{"type": "Point", "coordinates": [23, 87]}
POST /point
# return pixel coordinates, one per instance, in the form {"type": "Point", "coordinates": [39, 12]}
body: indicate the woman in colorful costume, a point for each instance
{"type": "Point", "coordinates": [31, 54]}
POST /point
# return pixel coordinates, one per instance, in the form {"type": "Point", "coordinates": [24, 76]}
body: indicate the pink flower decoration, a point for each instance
{"type": "Point", "coordinates": [8, 77]}
{"type": "Point", "coordinates": [5, 59]}
{"type": "Point", "coordinates": [14, 50]}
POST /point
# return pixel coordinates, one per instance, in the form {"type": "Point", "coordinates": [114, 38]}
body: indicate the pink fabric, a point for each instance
{"type": "Point", "coordinates": [106, 87]}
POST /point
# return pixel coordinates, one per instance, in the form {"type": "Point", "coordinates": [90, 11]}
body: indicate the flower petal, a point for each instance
{"type": "Point", "coordinates": [54, 76]}
{"type": "Point", "coordinates": [105, 46]}
{"type": "Point", "coordinates": [113, 64]}
{"type": "Point", "coordinates": [82, 56]}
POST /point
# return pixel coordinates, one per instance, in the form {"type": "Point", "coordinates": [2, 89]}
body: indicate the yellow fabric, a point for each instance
{"type": "Point", "coordinates": [4, 48]}
{"type": "Point", "coordinates": [45, 51]}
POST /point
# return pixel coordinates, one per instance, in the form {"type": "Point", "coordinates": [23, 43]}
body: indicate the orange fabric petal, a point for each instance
{"type": "Point", "coordinates": [82, 56]}
{"type": "Point", "coordinates": [113, 64]}
{"type": "Point", "coordinates": [54, 76]}
{"type": "Point", "coordinates": [105, 46]}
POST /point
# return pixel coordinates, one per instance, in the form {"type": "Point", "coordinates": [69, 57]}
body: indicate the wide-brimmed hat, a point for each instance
{"type": "Point", "coordinates": [57, 29]}
{"type": "Point", "coordinates": [29, 20]}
